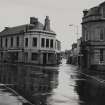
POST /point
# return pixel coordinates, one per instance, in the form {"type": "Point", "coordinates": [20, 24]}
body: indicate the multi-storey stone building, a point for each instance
{"type": "Point", "coordinates": [30, 43]}
{"type": "Point", "coordinates": [93, 36]}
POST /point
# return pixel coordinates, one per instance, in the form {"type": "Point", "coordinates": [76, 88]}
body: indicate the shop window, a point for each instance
{"type": "Point", "coordinates": [34, 56]}
{"type": "Point", "coordinates": [101, 55]}
{"type": "Point", "coordinates": [34, 43]}
{"type": "Point", "coordinates": [26, 56]}
{"type": "Point", "coordinates": [42, 42]}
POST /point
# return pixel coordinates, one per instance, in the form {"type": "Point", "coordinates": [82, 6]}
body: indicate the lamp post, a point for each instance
{"type": "Point", "coordinates": [76, 26]}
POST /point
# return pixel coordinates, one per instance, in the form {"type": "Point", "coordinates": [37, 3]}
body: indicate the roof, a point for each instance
{"type": "Point", "coordinates": [93, 11]}
{"type": "Point", "coordinates": [13, 30]}
{"type": "Point", "coordinates": [102, 4]}
{"type": "Point", "coordinates": [22, 28]}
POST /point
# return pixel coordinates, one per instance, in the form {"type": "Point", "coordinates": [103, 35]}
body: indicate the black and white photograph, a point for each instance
{"type": "Point", "coordinates": [52, 52]}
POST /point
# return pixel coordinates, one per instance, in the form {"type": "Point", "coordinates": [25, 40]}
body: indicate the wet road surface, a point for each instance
{"type": "Point", "coordinates": [66, 85]}
{"type": "Point", "coordinates": [7, 97]}
{"type": "Point", "coordinates": [64, 93]}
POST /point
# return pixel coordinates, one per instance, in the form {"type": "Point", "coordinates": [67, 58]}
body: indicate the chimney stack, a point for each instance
{"type": "Point", "coordinates": [33, 20]}
{"type": "Point", "coordinates": [6, 28]}
{"type": "Point", "coordinates": [47, 23]}
{"type": "Point", "coordinates": [85, 12]}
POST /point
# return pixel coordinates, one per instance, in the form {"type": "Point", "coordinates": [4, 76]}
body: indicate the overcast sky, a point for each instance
{"type": "Point", "coordinates": [61, 13]}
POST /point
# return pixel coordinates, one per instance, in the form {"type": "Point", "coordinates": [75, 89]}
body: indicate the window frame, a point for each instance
{"type": "Point", "coordinates": [51, 43]}
{"type": "Point", "coordinates": [43, 42]}
{"type": "Point", "coordinates": [47, 43]}
{"type": "Point", "coordinates": [17, 41]}
{"type": "Point", "coordinates": [6, 42]}
{"type": "Point", "coordinates": [1, 42]}
{"type": "Point", "coordinates": [26, 42]}
{"type": "Point", "coordinates": [11, 41]}
{"type": "Point", "coordinates": [34, 41]}
{"type": "Point", "coordinates": [101, 55]}
{"type": "Point", "coordinates": [101, 34]}
{"type": "Point", "coordinates": [36, 56]}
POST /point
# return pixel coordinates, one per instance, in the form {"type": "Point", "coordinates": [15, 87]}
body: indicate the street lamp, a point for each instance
{"type": "Point", "coordinates": [75, 26]}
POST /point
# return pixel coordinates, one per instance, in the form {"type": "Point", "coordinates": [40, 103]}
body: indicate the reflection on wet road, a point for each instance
{"type": "Point", "coordinates": [64, 93]}
{"type": "Point", "coordinates": [63, 85]}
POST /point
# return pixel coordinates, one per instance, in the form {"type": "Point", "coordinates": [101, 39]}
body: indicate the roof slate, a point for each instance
{"type": "Point", "coordinates": [21, 29]}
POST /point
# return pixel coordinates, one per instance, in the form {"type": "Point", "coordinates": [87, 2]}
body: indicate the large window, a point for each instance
{"type": "Point", "coordinates": [1, 41]}
{"type": "Point", "coordinates": [101, 55]}
{"type": "Point", "coordinates": [26, 42]}
{"type": "Point", "coordinates": [11, 41]}
{"type": "Point", "coordinates": [103, 12]}
{"type": "Point", "coordinates": [47, 43]}
{"type": "Point", "coordinates": [6, 41]}
{"type": "Point", "coordinates": [1, 55]}
{"type": "Point", "coordinates": [17, 41]}
{"type": "Point", "coordinates": [34, 43]}
{"type": "Point", "coordinates": [34, 56]}
{"type": "Point", "coordinates": [51, 43]}
{"type": "Point", "coordinates": [42, 42]}
{"type": "Point", "coordinates": [101, 34]}
{"type": "Point", "coordinates": [86, 35]}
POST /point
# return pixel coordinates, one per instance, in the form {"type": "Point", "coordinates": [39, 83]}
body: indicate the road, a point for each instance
{"type": "Point", "coordinates": [77, 88]}
{"type": "Point", "coordinates": [68, 86]}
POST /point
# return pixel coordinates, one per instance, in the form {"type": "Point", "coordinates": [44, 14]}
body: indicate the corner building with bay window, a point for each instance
{"type": "Point", "coordinates": [30, 43]}
{"type": "Point", "coordinates": [93, 37]}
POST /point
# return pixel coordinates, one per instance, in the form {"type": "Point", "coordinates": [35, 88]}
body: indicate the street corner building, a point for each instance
{"type": "Point", "coordinates": [93, 37]}
{"type": "Point", "coordinates": [30, 43]}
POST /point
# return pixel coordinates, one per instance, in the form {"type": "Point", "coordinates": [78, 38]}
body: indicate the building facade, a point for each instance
{"type": "Point", "coordinates": [74, 55]}
{"type": "Point", "coordinates": [30, 43]}
{"type": "Point", "coordinates": [93, 36]}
